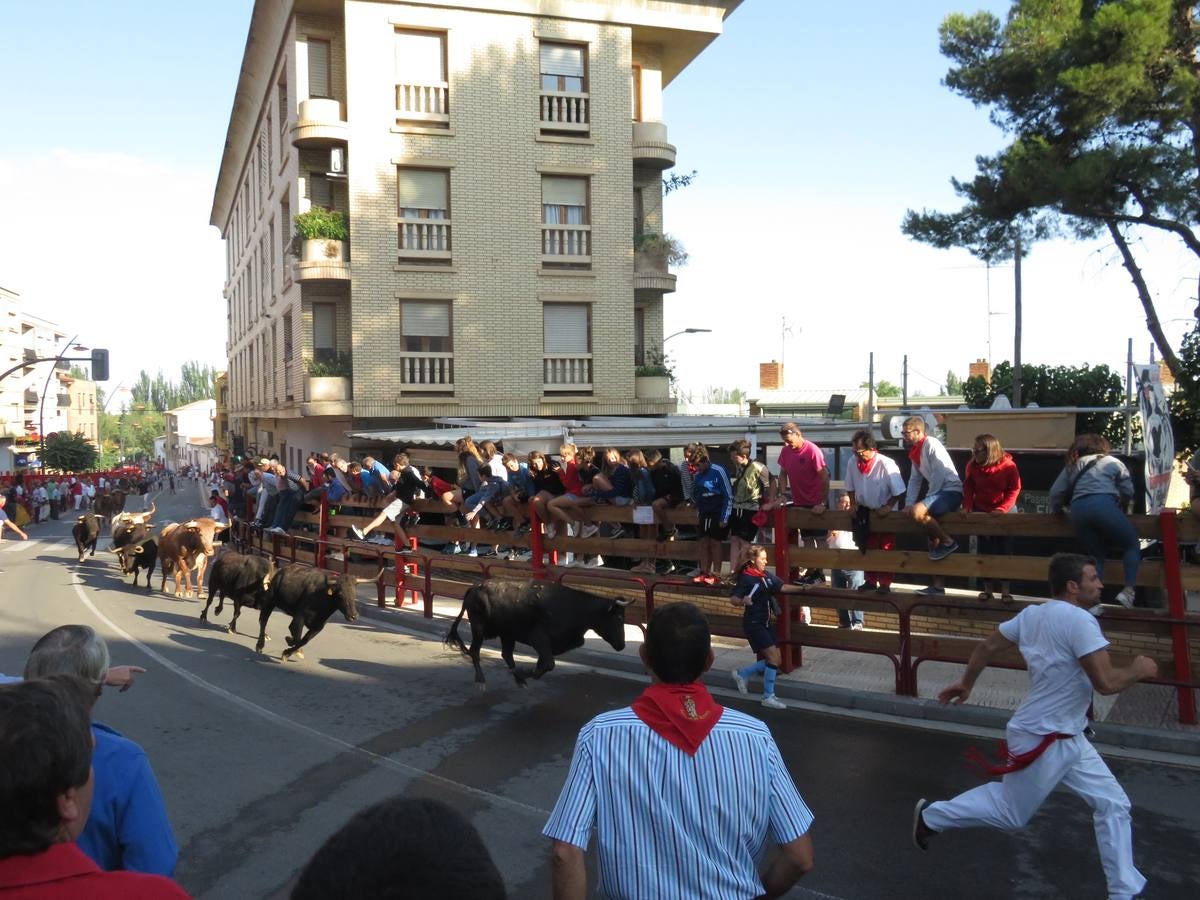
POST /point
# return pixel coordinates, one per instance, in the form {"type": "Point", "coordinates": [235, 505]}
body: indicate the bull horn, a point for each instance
{"type": "Point", "coordinates": [620, 602]}
{"type": "Point", "coordinates": [138, 549]}
{"type": "Point", "coordinates": [379, 575]}
{"type": "Point", "coordinates": [151, 510]}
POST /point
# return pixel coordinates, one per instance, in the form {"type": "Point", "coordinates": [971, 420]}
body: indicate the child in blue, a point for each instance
{"type": "Point", "coordinates": [755, 592]}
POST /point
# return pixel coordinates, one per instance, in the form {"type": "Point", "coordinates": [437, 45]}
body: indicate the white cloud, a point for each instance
{"type": "Point", "coordinates": [118, 249]}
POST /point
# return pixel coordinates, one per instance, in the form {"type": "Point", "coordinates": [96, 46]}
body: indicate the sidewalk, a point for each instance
{"type": "Point", "coordinates": [1144, 717]}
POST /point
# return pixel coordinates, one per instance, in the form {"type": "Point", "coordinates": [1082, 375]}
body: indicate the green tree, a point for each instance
{"type": "Point", "coordinates": [1102, 101]}
{"type": "Point", "coordinates": [1058, 386]}
{"type": "Point", "coordinates": [69, 452]}
{"type": "Point", "coordinates": [954, 384]}
{"type": "Point", "coordinates": [884, 388]}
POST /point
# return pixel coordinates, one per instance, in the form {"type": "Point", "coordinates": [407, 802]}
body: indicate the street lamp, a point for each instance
{"type": "Point", "coordinates": [687, 331]}
{"type": "Point", "coordinates": [70, 345]}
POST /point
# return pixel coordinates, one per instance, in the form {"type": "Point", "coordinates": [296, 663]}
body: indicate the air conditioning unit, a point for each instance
{"type": "Point", "coordinates": [337, 163]}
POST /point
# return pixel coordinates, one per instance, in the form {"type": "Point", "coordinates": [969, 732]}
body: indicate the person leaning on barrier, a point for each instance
{"type": "Point", "coordinates": [128, 827]}
{"type": "Point", "coordinates": [402, 849]}
{"type": "Point", "coordinates": [933, 468]}
{"type": "Point", "coordinates": [991, 484]}
{"type": "Point", "coordinates": [875, 489]}
{"type": "Point", "coordinates": [46, 795]}
{"type": "Point", "coordinates": [682, 793]}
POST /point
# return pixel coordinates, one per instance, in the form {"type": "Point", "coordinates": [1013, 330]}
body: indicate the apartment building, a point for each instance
{"type": "Point", "coordinates": [23, 338]}
{"type": "Point", "coordinates": [499, 166]}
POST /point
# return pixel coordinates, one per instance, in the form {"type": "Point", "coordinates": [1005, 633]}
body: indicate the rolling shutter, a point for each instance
{"type": "Point", "coordinates": [559, 191]}
{"type": "Point", "coordinates": [318, 68]}
{"type": "Point", "coordinates": [324, 326]}
{"type": "Point", "coordinates": [421, 188]}
{"type": "Point", "coordinates": [562, 59]}
{"type": "Point", "coordinates": [425, 319]}
{"type": "Point", "coordinates": [565, 328]}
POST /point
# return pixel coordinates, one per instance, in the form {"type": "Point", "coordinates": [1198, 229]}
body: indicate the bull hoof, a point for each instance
{"type": "Point", "coordinates": [480, 686]}
{"type": "Point", "coordinates": [289, 655]}
{"type": "Point", "coordinates": [229, 629]}
{"type": "Point", "coordinates": [203, 617]}
{"type": "Point", "coordinates": [289, 640]}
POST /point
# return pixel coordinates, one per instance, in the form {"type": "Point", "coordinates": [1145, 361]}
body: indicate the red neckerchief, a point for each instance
{"type": "Point", "coordinates": [683, 714]}
{"type": "Point", "coordinates": [1013, 762]}
{"type": "Point", "coordinates": [864, 465]}
{"type": "Point", "coordinates": [692, 468]}
{"type": "Point", "coordinates": [753, 572]}
{"type": "Point", "coordinates": [914, 452]}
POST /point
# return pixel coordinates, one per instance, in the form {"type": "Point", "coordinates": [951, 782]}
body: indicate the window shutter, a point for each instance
{"type": "Point", "coordinates": [319, 191]}
{"type": "Point", "coordinates": [562, 59]}
{"type": "Point", "coordinates": [565, 328]}
{"type": "Point", "coordinates": [318, 68]}
{"type": "Point", "coordinates": [424, 319]}
{"type": "Point", "coordinates": [557, 191]}
{"type": "Point", "coordinates": [421, 188]}
{"type": "Point", "coordinates": [419, 57]}
{"type": "Point", "coordinates": [324, 326]}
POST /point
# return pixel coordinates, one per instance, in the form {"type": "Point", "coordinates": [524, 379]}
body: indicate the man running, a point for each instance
{"type": "Point", "coordinates": [1067, 657]}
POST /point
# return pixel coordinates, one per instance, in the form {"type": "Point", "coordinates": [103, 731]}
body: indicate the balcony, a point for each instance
{"type": "Point", "coordinates": [322, 260]}
{"type": "Point", "coordinates": [31, 398]}
{"type": "Point", "coordinates": [567, 373]}
{"type": "Point", "coordinates": [564, 111]}
{"type": "Point", "coordinates": [567, 245]}
{"type": "Point", "coordinates": [427, 373]}
{"type": "Point", "coordinates": [319, 124]}
{"type": "Point", "coordinates": [650, 147]}
{"type": "Point", "coordinates": [29, 355]}
{"type": "Point", "coordinates": [427, 104]}
{"type": "Point", "coordinates": [424, 240]}
{"type": "Point", "coordinates": [327, 396]}
{"type": "Point", "coordinates": [64, 401]}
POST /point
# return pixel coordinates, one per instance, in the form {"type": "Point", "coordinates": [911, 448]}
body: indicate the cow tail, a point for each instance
{"type": "Point", "coordinates": [452, 639]}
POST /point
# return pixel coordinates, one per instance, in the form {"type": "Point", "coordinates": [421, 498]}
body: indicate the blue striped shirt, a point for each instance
{"type": "Point", "coordinates": [673, 825]}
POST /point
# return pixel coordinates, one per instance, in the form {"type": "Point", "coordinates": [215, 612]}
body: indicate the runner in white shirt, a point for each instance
{"type": "Point", "coordinates": [1067, 657]}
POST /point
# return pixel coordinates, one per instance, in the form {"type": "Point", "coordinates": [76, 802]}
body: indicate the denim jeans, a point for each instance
{"type": "Point", "coordinates": [852, 579]}
{"type": "Point", "coordinates": [1100, 523]}
{"type": "Point", "coordinates": [286, 508]}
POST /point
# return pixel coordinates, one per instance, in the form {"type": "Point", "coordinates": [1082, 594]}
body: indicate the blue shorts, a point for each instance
{"type": "Point", "coordinates": [942, 502]}
{"type": "Point", "coordinates": [760, 636]}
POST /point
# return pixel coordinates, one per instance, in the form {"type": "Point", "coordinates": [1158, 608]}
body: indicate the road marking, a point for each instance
{"type": "Point", "coordinates": [277, 719]}
{"type": "Point", "coordinates": [22, 546]}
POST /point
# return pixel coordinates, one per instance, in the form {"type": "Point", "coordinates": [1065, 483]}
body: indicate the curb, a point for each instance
{"type": "Point", "coordinates": [915, 710]}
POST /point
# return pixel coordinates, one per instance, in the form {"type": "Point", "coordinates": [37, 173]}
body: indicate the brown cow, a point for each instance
{"type": "Point", "coordinates": [110, 504]}
{"type": "Point", "coordinates": [179, 549]}
{"type": "Point", "coordinates": [208, 529]}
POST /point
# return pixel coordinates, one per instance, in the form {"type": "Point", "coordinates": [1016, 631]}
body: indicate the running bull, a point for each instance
{"type": "Point", "coordinates": [310, 597]}
{"type": "Point", "coordinates": [550, 618]}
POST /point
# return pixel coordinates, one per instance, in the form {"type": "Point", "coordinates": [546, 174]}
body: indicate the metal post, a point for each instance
{"type": "Point", "coordinates": [904, 386]}
{"type": "Point", "coordinates": [536, 546]}
{"type": "Point", "coordinates": [1168, 529]}
{"type": "Point", "coordinates": [1016, 397]}
{"type": "Point", "coordinates": [871, 391]}
{"type": "Point", "coordinates": [1129, 399]}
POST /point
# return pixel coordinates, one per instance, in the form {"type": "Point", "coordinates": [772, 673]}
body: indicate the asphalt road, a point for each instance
{"type": "Point", "coordinates": [261, 760]}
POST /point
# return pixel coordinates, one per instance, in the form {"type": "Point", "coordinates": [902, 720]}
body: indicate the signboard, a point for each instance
{"type": "Point", "coordinates": [1157, 435]}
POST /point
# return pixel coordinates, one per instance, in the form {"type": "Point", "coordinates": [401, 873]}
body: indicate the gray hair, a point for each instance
{"type": "Point", "coordinates": [69, 650]}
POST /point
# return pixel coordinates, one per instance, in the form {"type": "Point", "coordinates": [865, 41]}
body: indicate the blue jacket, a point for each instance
{"type": "Point", "coordinates": [128, 826]}
{"type": "Point", "coordinates": [712, 493]}
{"type": "Point", "coordinates": [760, 590]}
{"type": "Point", "coordinates": [622, 484]}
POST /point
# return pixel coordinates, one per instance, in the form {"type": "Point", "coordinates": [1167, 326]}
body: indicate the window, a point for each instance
{"type": "Point", "coordinates": [425, 326]}
{"type": "Point", "coordinates": [282, 98]}
{"type": "Point", "coordinates": [271, 244]}
{"type": "Point", "coordinates": [567, 346]}
{"type": "Point", "coordinates": [639, 335]}
{"type": "Point", "coordinates": [639, 212]}
{"type": "Point", "coordinates": [423, 206]}
{"type": "Point", "coordinates": [264, 170]}
{"type": "Point", "coordinates": [324, 332]}
{"type": "Point", "coordinates": [563, 101]}
{"type": "Point", "coordinates": [285, 224]}
{"type": "Point", "coordinates": [635, 88]}
{"type": "Point", "coordinates": [319, 190]}
{"type": "Point", "coordinates": [563, 67]}
{"type": "Point", "coordinates": [422, 91]}
{"type": "Point", "coordinates": [287, 336]}
{"type": "Point", "coordinates": [565, 229]}
{"type": "Point", "coordinates": [318, 68]}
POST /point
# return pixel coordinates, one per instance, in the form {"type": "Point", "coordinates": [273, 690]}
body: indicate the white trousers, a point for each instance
{"type": "Point", "coordinates": [1011, 802]}
{"type": "Point", "coordinates": [78, 500]}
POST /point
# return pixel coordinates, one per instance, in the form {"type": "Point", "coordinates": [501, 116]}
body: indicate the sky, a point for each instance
{"type": "Point", "coordinates": [812, 125]}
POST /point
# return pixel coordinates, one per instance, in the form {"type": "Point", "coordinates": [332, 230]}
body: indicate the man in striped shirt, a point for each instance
{"type": "Point", "coordinates": [682, 793]}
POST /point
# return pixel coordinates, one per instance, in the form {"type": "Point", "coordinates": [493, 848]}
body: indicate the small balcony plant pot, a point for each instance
{"type": "Point", "coordinates": [651, 387]}
{"type": "Point", "coordinates": [328, 388]}
{"type": "Point", "coordinates": [322, 250]}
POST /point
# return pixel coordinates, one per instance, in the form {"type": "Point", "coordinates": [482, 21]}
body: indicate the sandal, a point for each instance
{"type": "Point", "coordinates": [984, 597]}
{"type": "Point", "coordinates": [1006, 599]}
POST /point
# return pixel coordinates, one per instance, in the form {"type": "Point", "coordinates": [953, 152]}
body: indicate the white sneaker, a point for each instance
{"type": "Point", "coordinates": [805, 615]}
{"type": "Point", "coordinates": [357, 532]}
{"type": "Point", "coordinates": [569, 559]}
{"type": "Point", "coordinates": [739, 682]}
{"type": "Point", "coordinates": [595, 562]}
{"type": "Point", "coordinates": [550, 531]}
{"type": "Point", "coordinates": [1125, 597]}
{"type": "Point", "coordinates": [590, 530]}
{"type": "Point", "coordinates": [770, 701]}
{"type": "Point", "coordinates": [474, 551]}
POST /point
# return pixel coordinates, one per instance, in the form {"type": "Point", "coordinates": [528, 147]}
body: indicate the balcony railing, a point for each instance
{"type": "Point", "coordinates": [30, 355]}
{"type": "Point", "coordinates": [31, 398]}
{"type": "Point", "coordinates": [566, 244]}
{"type": "Point", "coordinates": [423, 103]}
{"type": "Point", "coordinates": [567, 372]}
{"type": "Point", "coordinates": [427, 372]}
{"type": "Point", "coordinates": [425, 238]}
{"type": "Point", "coordinates": [564, 111]}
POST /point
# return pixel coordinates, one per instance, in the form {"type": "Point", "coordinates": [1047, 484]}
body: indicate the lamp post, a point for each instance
{"type": "Point", "coordinates": [687, 331]}
{"type": "Point", "coordinates": [70, 345]}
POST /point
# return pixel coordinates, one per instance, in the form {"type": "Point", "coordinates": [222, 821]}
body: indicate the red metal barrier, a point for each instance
{"type": "Point", "coordinates": [1177, 608]}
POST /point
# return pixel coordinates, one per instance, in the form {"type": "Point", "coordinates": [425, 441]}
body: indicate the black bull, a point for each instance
{"type": "Point", "coordinates": [310, 597]}
{"type": "Point", "coordinates": [550, 618]}
{"type": "Point", "coordinates": [86, 532]}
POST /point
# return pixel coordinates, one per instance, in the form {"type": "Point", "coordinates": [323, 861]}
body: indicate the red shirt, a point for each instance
{"type": "Point", "coordinates": [570, 478]}
{"type": "Point", "coordinates": [991, 488]}
{"type": "Point", "coordinates": [63, 870]}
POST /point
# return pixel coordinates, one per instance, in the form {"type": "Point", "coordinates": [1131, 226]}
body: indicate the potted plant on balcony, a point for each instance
{"type": "Point", "coordinates": [321, 235]}
{"type": "Point", "coordinates": [329, 379]}
{"type": "Point", "coordinates": [652, 380]}
{"type": "Point", "coordinates": [658, 251]}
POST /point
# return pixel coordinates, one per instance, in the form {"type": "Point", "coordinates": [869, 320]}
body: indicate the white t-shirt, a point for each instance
{"type": "Point", "coordinates": [875, 489]}
{"type": "Point", "coordinates": [1052, 637]}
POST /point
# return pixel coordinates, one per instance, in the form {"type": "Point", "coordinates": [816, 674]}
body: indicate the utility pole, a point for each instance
{"type": "Point", "coordinates": [1129, 399]}
{"type": "Point", "coordinates": [904, 386]}
{"type": "Point", "coordinates": [1016, 398]}
{"type": "Point", "coordinates": [871, 393]}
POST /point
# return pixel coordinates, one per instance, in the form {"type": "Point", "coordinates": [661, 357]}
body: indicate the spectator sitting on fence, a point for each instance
{"type": "Point", "coordinates": [289, 500]}
{"type": "Point", "coordinates": [492, 478]}
{"type": "Point", "coordinates": [933, 468]}
{"type": "Point", "coordinates": [991, 484]}
{"type": "Point", "coordinates": [518, 491]}
{"type": "Point", "coordinates": [612, 484]}
{"type": "Point", "coordinates": [1095, 487]}
{"type": "Point", "coordinates": [714, 505]}
{"type": "Point", "coordinates": [874, 488]}
{"type": "Point", "coordinates": [643, 496]}
{"type": "Point", "coordinates": [565, 507]}
{"type": "Point", "coordinates": [405, 847]}
{"type": "Point", "coordinates": [751, 485]}
{"type": "Point", "coordinates": [547, 483]}
{"type": "Point", "coordinates": [268, 493]}
{"type": "Point", "coordinates": [407, 487]}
